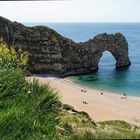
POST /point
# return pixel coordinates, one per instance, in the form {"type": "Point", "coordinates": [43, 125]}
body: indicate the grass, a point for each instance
{"type": "Point", "coordinates": [111, 133]}
{"type": "Point", "coordinates": [115, 124]}
{"type": "Point", "coordinates": [88, 135]}
{"type": "Point", "coordinates": [81, 127]}
{"type": "Point", "coordinates": [29, 111]}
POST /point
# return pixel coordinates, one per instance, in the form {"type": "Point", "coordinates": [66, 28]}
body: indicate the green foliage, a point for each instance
{"type": "Point", "coordinates": [83, 136]}
{"type": "Point", "coordinates": [67, 107]}
{"type": "Point", "coordinates": [9, 58]}
{"type": "Point", "coordinates": [28, 111]}
{"type": "Point", "coordinates": [115, 124]}
{"type": "Point", "coordinates": [88, 135]}
{"type": "Point", "coordinates": [68, 129]}
{"type": "Point", "coordinates": [108, 130]}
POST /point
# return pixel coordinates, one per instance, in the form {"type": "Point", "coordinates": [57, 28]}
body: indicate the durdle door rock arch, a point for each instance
{"type": "Point", "coordinates": [52, 53]}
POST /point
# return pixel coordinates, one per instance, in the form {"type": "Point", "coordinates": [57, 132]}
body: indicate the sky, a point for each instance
{"type": "Point", "coordinates": [72, 11]}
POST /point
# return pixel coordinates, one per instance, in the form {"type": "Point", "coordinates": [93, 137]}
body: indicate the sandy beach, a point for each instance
{"type": "Point", "coordinates": [100, 107]}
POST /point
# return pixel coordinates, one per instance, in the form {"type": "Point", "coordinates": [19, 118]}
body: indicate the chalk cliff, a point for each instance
{"type": "Point", "coordinates": [52, 53]}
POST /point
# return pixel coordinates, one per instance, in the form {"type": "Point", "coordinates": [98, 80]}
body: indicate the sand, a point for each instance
{"type": "Point", "coordinates": [109, 106]}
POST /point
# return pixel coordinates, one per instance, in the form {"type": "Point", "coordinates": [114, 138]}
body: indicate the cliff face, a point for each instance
{"type": "Point", "coordinates": [53, 53]}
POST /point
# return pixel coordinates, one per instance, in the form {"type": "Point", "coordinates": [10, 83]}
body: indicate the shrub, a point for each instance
{"type": "Point", "coordinates": [68, 107]}
{"type": "Point", "coordinates": [9, 58]}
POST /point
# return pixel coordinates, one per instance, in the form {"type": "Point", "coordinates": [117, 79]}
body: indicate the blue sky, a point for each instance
{"type": "Point", "coordinates": [72, 11]}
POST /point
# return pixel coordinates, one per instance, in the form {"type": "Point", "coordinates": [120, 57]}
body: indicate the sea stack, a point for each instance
{"type": "Point", "coordinates": [49, 52]}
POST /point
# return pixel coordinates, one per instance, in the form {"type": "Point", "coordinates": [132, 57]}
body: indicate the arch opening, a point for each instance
{"type": "Point", "coordinates": [107, 62]}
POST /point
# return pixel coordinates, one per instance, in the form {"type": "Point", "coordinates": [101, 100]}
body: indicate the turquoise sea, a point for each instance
{"type": "Point", "coordinates": [107, 78]}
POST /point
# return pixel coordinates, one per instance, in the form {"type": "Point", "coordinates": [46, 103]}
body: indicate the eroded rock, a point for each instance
{"type": "Point", "coordinates": [52, 53]}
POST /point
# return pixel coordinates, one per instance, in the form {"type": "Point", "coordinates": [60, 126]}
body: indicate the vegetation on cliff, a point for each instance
{"type": "Point", "coordinates": [30, 111]}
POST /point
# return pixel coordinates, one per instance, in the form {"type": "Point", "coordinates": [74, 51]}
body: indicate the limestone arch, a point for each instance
{"type": "Point", "coordinates": [116, 44]}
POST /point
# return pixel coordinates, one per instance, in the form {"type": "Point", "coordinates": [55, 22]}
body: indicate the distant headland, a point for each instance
{"type": "Point", "coordinates": [49, 52]}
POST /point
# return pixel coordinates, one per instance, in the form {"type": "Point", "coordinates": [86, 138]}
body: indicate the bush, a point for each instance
{"type": "Point", "coordinates": [68, 107]}
{"type": "Point", "coordinates": [9, 58]}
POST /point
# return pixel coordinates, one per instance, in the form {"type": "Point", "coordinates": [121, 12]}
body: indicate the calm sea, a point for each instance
{"type": "Point", "coordinates": [107, 78]}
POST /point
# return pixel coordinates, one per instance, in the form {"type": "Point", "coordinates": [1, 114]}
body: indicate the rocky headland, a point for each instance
{"type": "Point", "coordinates": [49, 52]}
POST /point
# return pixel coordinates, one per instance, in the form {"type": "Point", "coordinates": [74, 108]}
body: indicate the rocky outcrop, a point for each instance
{"type": "Point", "coordinates": [52, 53]}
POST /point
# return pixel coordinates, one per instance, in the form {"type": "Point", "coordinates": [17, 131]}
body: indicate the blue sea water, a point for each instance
{"type": "Point", "coordinates": [107, 78]}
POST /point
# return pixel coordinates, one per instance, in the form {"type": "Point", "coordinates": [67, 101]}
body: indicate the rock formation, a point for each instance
{"type": "Point", "coordinates": [52, 53]}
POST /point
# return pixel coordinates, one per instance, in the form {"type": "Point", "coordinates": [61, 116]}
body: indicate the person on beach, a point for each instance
{"type": "Point", "coordinates": [83, 91]}
{"type": "Point", "coordinates": [102, 93]}
{"type": "Point", "coordinates": [84, 102]}
{"type": "Point", "coordinates": [124, 96]}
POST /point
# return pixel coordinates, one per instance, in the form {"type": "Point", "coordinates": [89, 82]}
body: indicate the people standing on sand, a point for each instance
{"type": "Point", "coordinates": [102, 93]}
{"type": "Point", "coordinates": [125, 95]}
{"type": "Point", "coordinates": [83, 91]}
{"type": "Point", "coordinates": [84, 102]}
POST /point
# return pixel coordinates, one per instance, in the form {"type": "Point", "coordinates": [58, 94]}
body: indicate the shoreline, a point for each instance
{"type": "Point", "coordinates": [109, 106]}
{"type": "Point", "coordinates": [105, 91]}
